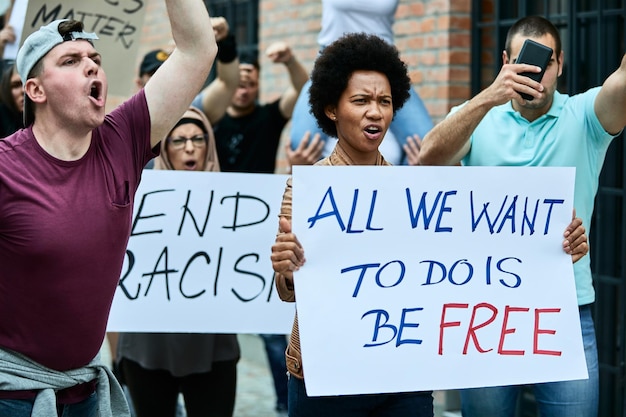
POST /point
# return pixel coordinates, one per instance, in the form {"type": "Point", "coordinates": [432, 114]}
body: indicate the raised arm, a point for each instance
{"type": "Point", "coordinates": [174, 85]}
{"type": "Point", "coordinates": [216, 97]}
{"type": "Point", "coordinates": [610, 105]}
{"type": "Point", "coordinates": [280, 52]}
{"type": "Point", "coordinates": [448, 141]}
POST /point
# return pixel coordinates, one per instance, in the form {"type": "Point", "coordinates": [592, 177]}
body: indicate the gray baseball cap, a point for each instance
{"type": "Point", "coordinates": [39, 43]}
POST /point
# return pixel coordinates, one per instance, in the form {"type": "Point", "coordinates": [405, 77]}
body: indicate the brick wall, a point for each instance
{"type": "Point", "coordinates": [296, 22]}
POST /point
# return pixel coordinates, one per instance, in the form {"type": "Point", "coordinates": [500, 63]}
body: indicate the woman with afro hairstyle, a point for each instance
{"type": "Point", "coordinates": [357, 84]}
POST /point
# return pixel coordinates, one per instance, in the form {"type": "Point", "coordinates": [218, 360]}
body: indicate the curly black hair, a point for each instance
{"type": "Point", "coordinates": [336, 63]}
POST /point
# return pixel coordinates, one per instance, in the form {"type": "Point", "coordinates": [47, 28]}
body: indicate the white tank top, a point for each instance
{"type": "Point", "coordinates": [348, 16]}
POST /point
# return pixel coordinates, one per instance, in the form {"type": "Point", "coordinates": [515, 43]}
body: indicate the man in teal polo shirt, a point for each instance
{"type": "Point", "coordinates": [500, 128]}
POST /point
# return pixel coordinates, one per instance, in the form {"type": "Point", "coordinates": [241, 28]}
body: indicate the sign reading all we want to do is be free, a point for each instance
{"type": "Point", "coordinates": [434, 278]}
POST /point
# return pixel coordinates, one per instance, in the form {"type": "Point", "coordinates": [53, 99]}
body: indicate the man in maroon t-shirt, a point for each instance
{"type": "Point", "coordinates": [67, 185]}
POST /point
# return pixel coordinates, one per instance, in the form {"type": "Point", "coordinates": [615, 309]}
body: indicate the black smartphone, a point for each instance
{"type": "Point", "coordinates": [534, 53]}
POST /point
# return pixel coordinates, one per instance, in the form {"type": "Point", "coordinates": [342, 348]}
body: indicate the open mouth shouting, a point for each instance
{"type": "Point", "coordinates": [373, 132]}
{"type": "Point", "coordinates": [96, 93]}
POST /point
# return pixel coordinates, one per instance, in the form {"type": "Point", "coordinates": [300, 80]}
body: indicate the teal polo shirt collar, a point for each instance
{"type": "Point", "coordinates": [558, 102]}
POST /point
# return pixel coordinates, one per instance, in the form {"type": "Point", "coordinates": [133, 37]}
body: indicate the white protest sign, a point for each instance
{"type": "Point", "coordinates": [424, 278]}
{"type": "Point", "coordinates": [198, 259]}
{"type": "Point", "coordinates": [117, 23]}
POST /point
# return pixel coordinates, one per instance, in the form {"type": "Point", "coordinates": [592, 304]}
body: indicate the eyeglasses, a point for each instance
{"type": "Point", "coordinates": [199, 141]}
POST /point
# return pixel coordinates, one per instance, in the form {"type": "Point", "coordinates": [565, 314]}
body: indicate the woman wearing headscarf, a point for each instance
{"type": "Point", "coordinates": [157, 367]}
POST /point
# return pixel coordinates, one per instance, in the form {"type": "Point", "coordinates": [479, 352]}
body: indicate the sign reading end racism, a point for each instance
{"type": "Point", "coordinates": [434, 278]}
{"type": "Point", "coordinates": [198, 258]}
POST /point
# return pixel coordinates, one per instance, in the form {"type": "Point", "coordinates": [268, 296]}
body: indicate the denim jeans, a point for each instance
{"type": "Point", "coordinates": [413, 404]}
{"type": "Point", "coordinates": [412, 118]}
{"type": "Point", "coordinates": [275, 346]}
{"type": "Point", "coordinates": [554, 399]}
{"type": "Point", "coordinates": [23, 408]}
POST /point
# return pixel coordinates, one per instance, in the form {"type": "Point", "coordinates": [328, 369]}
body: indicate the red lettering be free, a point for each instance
{"type": "Point", "coordinates": [472, 327]}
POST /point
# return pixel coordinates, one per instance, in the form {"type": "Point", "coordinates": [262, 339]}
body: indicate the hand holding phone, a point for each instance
{"type": "Point", "coordinates": [534, 53]}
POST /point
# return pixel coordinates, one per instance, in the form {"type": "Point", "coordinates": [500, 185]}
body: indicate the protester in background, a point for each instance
{"type": "Point", "coordinates": [157, 367]}
{"type": "Point", "coordinates": [357, 85]}
{"type": "Point", "coordinates": [410, 124]}
{"type": "Point", "coordinates": [151, 62]}
{"type": "Point", "coordinates": [499, 127]}
{"type": "Point", "coordinates": [11, 100]}
{"type": "Point", "coordinates": [219, 93]}
{"type": "Point", "coordinates": [248, 134]}
{"type": "Point", "coordinates": [67, 188]}
{"type": "Point", "coordinates": [222, 88]}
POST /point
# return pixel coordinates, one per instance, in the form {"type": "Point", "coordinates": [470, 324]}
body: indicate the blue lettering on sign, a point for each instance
{"type": "Point", "coordinates": [333, 212]}
{"type": "Point", "coordinates": [396, 331]}
{"type": "Point", "coordinates": [507, 213]}
{"type": "Point", "coordinates": [460, 273]}
{"type": "Point", "coordinates": [428, 216]}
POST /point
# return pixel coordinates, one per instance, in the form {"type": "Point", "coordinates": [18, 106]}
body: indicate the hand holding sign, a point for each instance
{"type": "Point", "coordinates": [575, 242]}
{"type": "Point", "coordinates": [287, 252]}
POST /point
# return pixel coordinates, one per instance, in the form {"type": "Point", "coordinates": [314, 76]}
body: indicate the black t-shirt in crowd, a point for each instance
{"type": "Point", "coordinates": [249, 143]}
